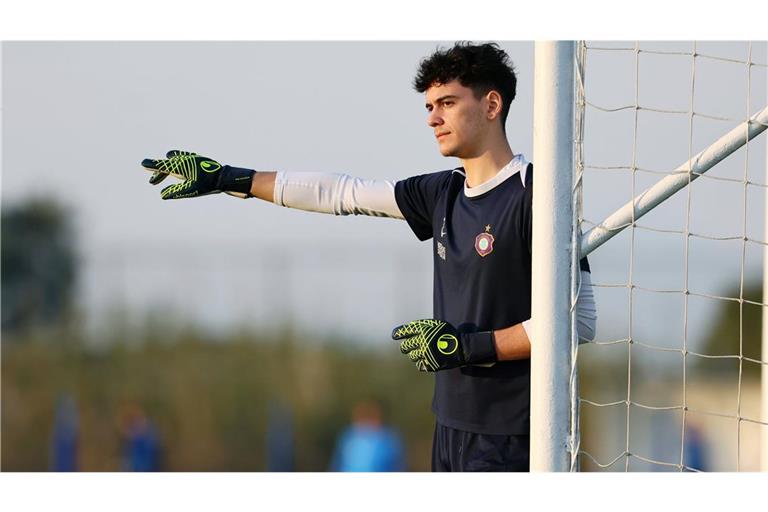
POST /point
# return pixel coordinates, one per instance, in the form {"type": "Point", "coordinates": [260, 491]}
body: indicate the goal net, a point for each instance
{"type": "Point", "coordinates": [670, 198]}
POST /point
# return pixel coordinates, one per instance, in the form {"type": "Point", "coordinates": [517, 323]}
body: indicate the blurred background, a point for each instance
{"type": "Point", "coordinates": [225, 335]}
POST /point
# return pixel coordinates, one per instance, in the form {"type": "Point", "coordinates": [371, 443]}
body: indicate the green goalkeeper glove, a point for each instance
{"type": "Point", "coordinates": [201, 176]}
{"type": "Point", "coordinates": [436, 345]}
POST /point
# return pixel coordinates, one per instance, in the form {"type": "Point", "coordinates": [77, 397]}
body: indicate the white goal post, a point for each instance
{"type": "Point", "coordinates": [551, 255]}
{"type": "Point", "coordinates": [558, 245]}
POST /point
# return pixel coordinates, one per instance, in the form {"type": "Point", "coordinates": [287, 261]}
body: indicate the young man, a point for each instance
{"type": "Point", "coordinates": [480, 219]}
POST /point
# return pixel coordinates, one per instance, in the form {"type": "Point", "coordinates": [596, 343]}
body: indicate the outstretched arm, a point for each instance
{"type": "Point", "coordinates": [337, 194]}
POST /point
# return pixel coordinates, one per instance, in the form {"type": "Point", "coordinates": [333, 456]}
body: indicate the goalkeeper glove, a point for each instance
{"type": "Point", "coordinates": [436, 345]}
{"type": "Point", "coordinates": [201, 176]}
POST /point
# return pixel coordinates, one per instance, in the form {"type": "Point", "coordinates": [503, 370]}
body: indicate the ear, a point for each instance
{"type": "Point", "coordinates": [493, 100]}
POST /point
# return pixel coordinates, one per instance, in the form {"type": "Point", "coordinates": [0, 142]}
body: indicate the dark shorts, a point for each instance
{"type": "Point", "coordinates": [456, 450]}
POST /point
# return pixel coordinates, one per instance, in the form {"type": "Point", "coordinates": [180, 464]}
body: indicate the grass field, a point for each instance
{"type": "Point", "coordinates": [210, 400]}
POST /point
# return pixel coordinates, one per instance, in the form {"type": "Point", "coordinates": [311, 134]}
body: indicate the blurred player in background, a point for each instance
{"type": "Point", "coordinates": [368, 444]}
{"type": "Point", "coordinates": [141, 449]}
{"type": "Point", "coordinates": [479, 217]}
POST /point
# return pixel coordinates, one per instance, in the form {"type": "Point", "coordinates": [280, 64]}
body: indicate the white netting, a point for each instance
{"type": "Point", "coordinates": [672, 381]}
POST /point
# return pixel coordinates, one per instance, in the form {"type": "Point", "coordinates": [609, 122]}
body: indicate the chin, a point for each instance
{"type": "Point", "coordinates": [448, 151]}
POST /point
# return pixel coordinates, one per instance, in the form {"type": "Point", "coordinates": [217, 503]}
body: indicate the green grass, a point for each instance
{"type": "Point", "coordinates": [210, 400]}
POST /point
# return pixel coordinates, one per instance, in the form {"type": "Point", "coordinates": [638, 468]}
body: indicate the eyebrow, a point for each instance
{"type": "Point", "coordinates": [442, 98]}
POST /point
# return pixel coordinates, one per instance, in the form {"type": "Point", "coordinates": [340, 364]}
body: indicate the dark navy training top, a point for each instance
{"type": "Point", "coordinates": [482, 281]}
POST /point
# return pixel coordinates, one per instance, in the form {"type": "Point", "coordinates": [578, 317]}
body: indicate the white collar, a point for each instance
{"type": "Point", "coordinates": [517, 164]}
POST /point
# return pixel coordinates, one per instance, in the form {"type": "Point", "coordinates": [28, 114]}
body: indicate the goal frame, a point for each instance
{"type": "Point", "coordinates": [554, 381]}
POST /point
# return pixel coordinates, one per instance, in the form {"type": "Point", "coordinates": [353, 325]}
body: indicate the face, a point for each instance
{"type": "Point", "coordinates": [459, 120]}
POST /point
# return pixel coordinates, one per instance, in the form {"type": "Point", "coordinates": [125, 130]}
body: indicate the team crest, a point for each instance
{"type": "Point", "coordinates": [484, 242]}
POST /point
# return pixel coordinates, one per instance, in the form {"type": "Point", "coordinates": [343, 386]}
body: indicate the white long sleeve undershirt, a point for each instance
{"type": "Point", "coordinates": [338, 194]}
{"type": "Point", "coordinates": [341, 194]}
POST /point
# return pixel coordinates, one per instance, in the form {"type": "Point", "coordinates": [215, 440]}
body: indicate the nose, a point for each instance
{"type": "Point", "coordinates": [433, 119]}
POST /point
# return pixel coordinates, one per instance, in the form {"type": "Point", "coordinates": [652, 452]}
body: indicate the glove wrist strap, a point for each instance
{"type": "Point", "coordinates": [236, 179]}
{"type": "Point", "coordinates": [479, 347]}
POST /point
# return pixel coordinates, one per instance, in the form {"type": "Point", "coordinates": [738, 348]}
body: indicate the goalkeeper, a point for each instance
{"type": "Point", "coordinates": [479, 218]}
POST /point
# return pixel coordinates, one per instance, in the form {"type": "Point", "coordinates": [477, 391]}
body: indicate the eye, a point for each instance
{"type": "Point", "coordinates": [447, 103]}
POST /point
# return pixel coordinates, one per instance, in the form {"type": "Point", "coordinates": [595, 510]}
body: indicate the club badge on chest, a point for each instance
{"type": "Point", "coordinates": [484, 242]}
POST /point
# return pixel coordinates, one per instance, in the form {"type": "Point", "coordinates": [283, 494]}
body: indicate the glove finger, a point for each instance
{"type": "Point", "coordinates": [409, 345]}
{"type": "Point", "coordinates": [416, 355]}
{"type": "Point", "coordinates": [150, 164]}
{"type": "Point", "coordinates": [416, 327]}
{"type": "Point", "coordinates": [179, 166]}
{"type": "Point", "coordinates": [160, 170]}
{"type": "Point", "coordinates": [178, 152]}
{"type": "Point", "coordinates": [157, 177]}
{"type": "Point", "coordinates": [404, 331]}
{"type": "Point", "coordinates": [179, 190]}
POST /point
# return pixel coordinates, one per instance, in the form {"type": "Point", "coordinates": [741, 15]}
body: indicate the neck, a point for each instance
{"type": "Point", "coordinates": [487, 163]}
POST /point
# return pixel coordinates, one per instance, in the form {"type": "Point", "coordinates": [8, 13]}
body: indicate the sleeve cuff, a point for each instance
{"type": "Point", "coordinates": [528, 327]}
{"type": "Point", "coordinates": [480, 347]}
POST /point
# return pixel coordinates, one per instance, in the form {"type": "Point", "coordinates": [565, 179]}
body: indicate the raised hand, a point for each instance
{"type": "Point", "coordinates": [200, 175]}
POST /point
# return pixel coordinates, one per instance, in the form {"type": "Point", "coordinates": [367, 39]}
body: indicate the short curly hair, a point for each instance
{"type": "Point", "coordinates": [481, 67]}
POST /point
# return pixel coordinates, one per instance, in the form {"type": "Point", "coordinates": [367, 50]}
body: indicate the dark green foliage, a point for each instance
{"type": "Point", "coordinates": [39, 268]}
{"type": "Point", "coordinates": [738, 329]}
